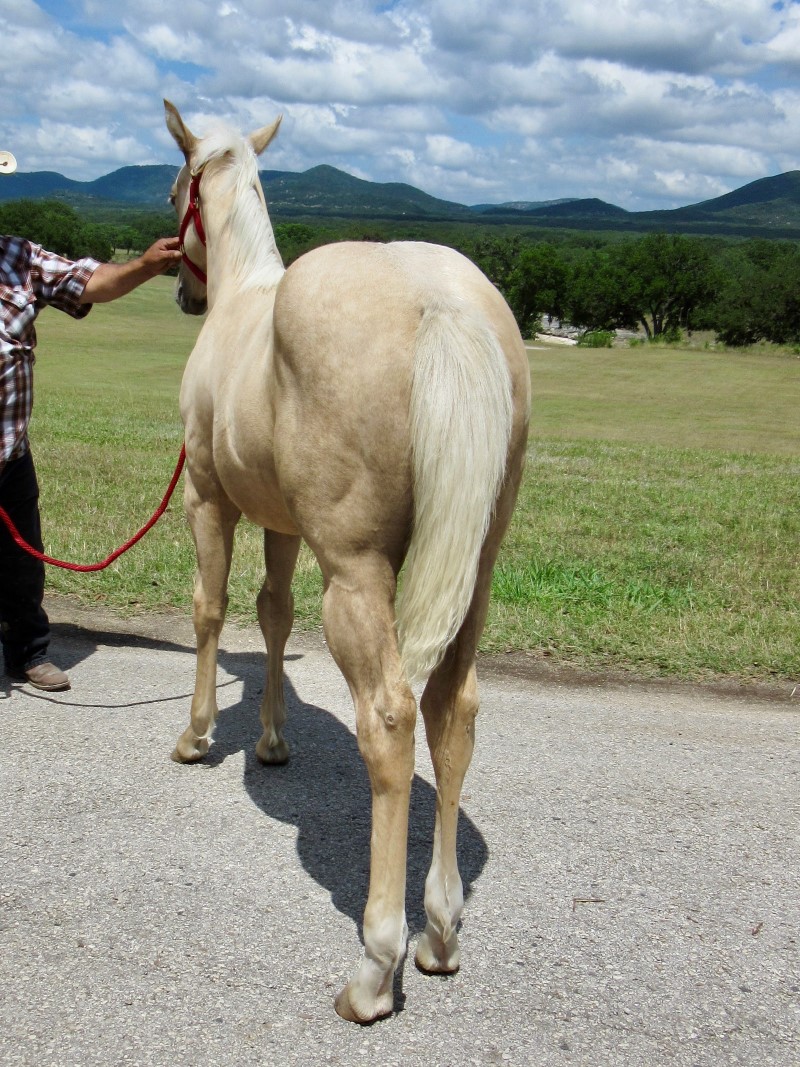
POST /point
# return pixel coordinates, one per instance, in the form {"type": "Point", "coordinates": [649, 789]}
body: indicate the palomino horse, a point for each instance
{"type": "Point", "coordinates": [372, 400]}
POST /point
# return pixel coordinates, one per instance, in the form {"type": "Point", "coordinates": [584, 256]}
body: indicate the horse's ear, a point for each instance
{"type": "Point", "coordinates": [259, 139]}
{"type": "Point", "coordinates": [184, 138]}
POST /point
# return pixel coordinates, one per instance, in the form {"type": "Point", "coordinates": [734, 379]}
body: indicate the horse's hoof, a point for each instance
{"type": "Point", "coordinates": [190, 751]}
{"type": "Point", "coordinates": [272, 755]}
{"type": "Point", "coordinates": [435, 956]}
{"type": "Point", "coordinates": [363, 1015]}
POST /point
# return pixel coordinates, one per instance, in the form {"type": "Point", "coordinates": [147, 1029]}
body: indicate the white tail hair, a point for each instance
{"type": "Point", "coordinates": [461, 413]}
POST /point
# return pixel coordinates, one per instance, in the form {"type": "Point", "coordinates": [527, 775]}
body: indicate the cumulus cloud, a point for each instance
{"type": "Point", "coordinates": [447, 152]}
{"type": "Point", "coordinates": [641, 104]}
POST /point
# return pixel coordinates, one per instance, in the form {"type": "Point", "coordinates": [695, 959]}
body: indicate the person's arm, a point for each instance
{"type": "Point", "coordinates": [112, 280]}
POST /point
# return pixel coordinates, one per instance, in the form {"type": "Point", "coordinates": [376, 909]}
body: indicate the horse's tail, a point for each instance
{"type": "Point", "coordinates": [461, 413]}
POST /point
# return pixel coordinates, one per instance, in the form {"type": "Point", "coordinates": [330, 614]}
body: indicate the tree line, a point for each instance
{"type": "Point", "coordinates": [661, 284]}
{"type": "Point", "coordinates": [59, 228]}
{"type": "Point", "coordinates": [745, 291]}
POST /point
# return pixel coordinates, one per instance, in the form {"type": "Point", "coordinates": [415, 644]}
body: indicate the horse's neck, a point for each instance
{"type": "Point", "coordinates": [243, 253]}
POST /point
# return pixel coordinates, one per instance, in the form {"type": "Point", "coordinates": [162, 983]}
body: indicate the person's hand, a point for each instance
{"type": "Point", "coordinates": [163, 254]}
{"type": "Point", "coordinates": [113, 280]}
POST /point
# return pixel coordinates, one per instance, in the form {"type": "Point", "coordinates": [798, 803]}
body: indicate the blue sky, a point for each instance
{"type": "Point", "coordinates": [643, 104]}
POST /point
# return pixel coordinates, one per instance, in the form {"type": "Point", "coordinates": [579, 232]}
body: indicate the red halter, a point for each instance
{"type": "Point", "coordinates": [193, 216]}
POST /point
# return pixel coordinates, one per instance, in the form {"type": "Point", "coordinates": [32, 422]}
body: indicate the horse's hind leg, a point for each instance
{"type": "Point", "coordinates": [449, 706]}
{"type": "Point", "coordinates": [213, 522]}
{"type": "Point", "coordinates": [275, 615]}
{"type": "Point", "coordinates": [358, 613]}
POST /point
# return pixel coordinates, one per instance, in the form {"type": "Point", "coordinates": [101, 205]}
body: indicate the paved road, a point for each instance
{"type": "Point", "coordinates": [631, 853]}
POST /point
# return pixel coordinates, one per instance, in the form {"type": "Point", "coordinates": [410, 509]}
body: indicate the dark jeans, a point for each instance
{"type": "Point", "coordinates": [24, 627]}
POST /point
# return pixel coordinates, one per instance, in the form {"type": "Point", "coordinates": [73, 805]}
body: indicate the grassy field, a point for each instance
{"type": "Point", "coordinates": [657, 529]}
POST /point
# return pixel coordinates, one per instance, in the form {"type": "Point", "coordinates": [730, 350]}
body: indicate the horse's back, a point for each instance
{"type": "Point", "coordinates": [349, 313]}
{"type": "Point", "coordinates": [388, 283]}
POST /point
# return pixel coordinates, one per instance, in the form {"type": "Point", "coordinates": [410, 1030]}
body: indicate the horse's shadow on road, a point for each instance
{"type": "Point", "coordinates": [323, 790]}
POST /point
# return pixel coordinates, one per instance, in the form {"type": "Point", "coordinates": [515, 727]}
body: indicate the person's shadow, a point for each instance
{"type": "Point", "coordinates": [323, 790]}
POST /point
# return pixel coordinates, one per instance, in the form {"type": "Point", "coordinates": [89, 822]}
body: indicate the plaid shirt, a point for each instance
{"type": "Point", "coordinates": [30, 279]}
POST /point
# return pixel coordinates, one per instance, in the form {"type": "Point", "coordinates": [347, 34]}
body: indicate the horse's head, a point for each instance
{"type": "Point", "coordinates": [192, 288]}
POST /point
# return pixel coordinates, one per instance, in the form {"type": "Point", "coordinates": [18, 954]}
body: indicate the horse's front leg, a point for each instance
{"type": "Point", "coordinates": [358, 614]}
{"type": "Point", "coordinates": [213, 521]}
{"type": "Point", "coordinates": [275, 615]}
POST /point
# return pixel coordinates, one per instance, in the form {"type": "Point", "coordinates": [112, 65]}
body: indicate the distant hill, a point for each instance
{"type": "Point", "coordinates": [767, 207]}
{"type": "Point", "coordinates": [323, 190]}
{"type": "Point", "coordinates": [148, 186]}
{"type": "Point", "coordinates": [134, 185]}
{"type": "Point", "coordinates": [588, 209]}
{"type": "Point", "coordinates": [783, 187]}
{"type": "Point", "coordinates": [38, 185]}
{"type": "Point", "coordinates": [521, 205]}
{"type": "Point", "coordinates": [768, 202]}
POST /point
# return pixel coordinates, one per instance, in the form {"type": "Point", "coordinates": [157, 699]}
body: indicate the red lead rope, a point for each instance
{"type": "Point", "coordinates": [162, 507]}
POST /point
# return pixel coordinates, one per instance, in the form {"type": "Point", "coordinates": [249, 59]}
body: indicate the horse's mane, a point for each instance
{"type": "Point", "coordinates": [256, 260]}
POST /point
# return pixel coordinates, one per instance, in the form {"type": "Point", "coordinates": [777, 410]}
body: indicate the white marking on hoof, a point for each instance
{"type": "Point", "coordinates": [190, 749]}
{"type": "Point", "coordinates": [435, 956]}
{"type": "Point", "coordinates": [363, 1013]}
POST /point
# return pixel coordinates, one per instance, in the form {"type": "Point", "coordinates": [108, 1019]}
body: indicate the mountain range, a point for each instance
{"type": "Point", "coordinates": [768, 206]}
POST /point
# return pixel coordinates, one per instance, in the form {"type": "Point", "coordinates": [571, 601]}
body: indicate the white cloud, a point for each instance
{"type": "Point", "coordinates": [784, 47]}
{"type": "Point", "coordinates": [683, 37]}
{"type": "Point", "coordinates": [444, 151]}
{"type": "Point", "coordinates": [67, 146]}
{"type": "Point", "coordinates": [167, 43]}
{"type": "Point", "coordinates": [640, 104]}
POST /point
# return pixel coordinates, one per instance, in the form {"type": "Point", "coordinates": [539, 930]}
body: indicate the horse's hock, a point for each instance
{"type": "Point", "coordinates": [322, 405]}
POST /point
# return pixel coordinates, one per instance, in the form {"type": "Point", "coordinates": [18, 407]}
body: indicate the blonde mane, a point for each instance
{"type": "Point", "coordinates": [256, 261]}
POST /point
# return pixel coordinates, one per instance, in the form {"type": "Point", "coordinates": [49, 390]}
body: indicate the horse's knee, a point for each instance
{"type": "Point", "coordinates": [209, 615]}
{"type": "Point", "coordinates": [398, 712]}
{"type": "Point", "coordinates": [386, 735]}
{"type": "Point", "coordinates": [449, 709]}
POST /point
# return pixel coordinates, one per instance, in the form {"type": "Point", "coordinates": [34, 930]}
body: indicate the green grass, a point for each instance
{"type": "Point", "coordinates": [677, 562]}
{"type": "Point", "coordinates": [651, 395]}
{"type": "Point", "coordinates": [656, 530]}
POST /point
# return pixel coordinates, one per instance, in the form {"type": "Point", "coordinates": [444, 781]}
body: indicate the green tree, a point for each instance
{"type": "Point", "coordinates": [148, 226]}
{"type": "Point", "coordinates": [671, 276]}
{"type": "Point", "coordinates": [657, 281]}
{"type": "Point", "coordinates": [49, 223]}
{"type": "Point", "coordinates": [536, 285]}
{"type": "Point", "coordinates": [599, 293]}
{"type": "Point", "coordinates": [126, 239]}
{"type": "Point", "coordinates": [759, 295]}
{"type": "Point", "coordinates": [295, 238]}
{"type": "Point", "coordinates": [57, 227]}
